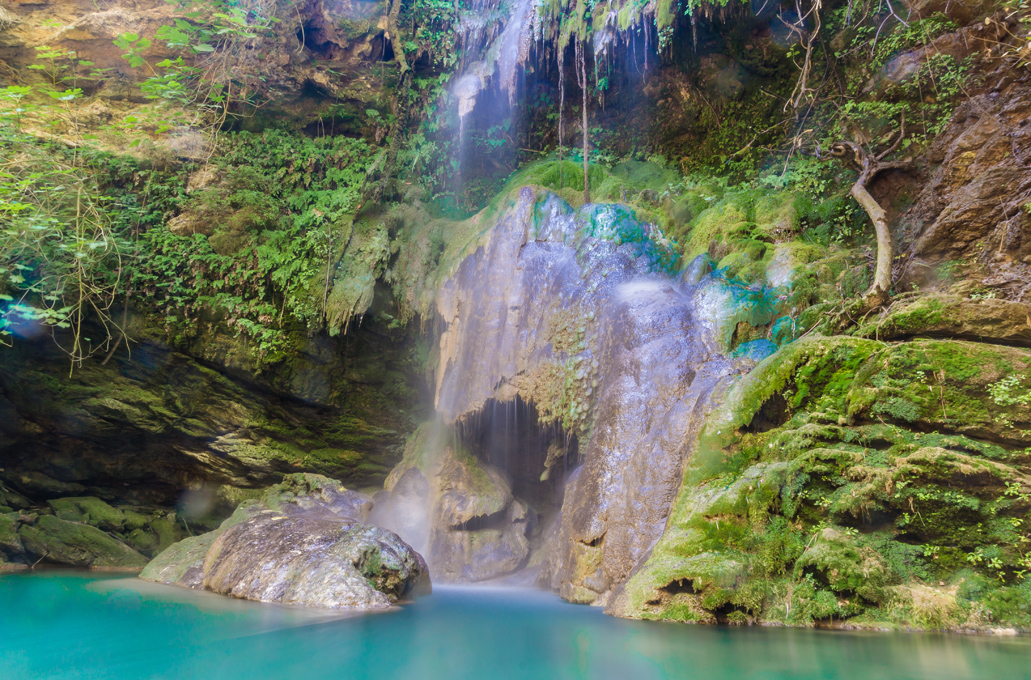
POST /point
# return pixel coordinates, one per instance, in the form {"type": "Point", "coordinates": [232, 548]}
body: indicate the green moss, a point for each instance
{"type": "Point", "coordinates": [77, 544]}
{"type": "Point", "coordinates": [89, 510]}
{"type": "Point", "coordinates": [820, 489]}
{"type": "Point", "coordinates": [10, 543]}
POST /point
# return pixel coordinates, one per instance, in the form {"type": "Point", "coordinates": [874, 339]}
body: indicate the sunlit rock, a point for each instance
{"type": "Point", "coordinates": [304, 543]}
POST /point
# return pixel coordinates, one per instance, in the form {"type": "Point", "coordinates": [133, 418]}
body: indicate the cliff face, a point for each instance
{"type": "Point", "coordinates": [300, 61]}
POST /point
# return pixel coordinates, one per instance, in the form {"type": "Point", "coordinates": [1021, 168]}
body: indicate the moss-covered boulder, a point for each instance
{"type": "Point", "coordinates": [10, 542]}
{"type": "Point", "coordinates": [88, 510]}
{"type": "Point", "coordinates": [56, 540]}
{"type": "Point", "coordinates": [954, 316]}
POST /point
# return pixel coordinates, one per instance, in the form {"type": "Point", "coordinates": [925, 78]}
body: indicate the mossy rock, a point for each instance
{"type": "Point", "coordinates": [10, 542]}
{"type": "Point", "coordinates": [88, 510]}
{"type": "Point", "coordinates": [80, 545]}
{"type": "Point", "coordinates": [946, 315]}
{"type": "Point", "coordinates": [837, 475]}
{"type": "Point", "coordinates": [181, 563]}
{"type": "Point", "coordinates": [845, 566]}
{"type": "Point", "coordinates": [777, 217]}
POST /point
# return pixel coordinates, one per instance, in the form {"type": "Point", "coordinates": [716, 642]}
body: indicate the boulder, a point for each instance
{"type": "Point", "coordinates": [302, 542]}
{"type": "Point", "coordinates": [313, 560]}
{"type": "Point", "coordinates": [462, 509]}
{"type": "Point", "coordinates": [81, 545]}
{"type": "Point", "coordinates": [88, 510]}
{"type": "Point", "coordinates": [953, 316]}
{"type": "Point", "coordinates": [10, 543]}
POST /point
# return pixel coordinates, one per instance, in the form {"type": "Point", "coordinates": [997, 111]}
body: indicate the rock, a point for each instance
{"type": "Point", "coordinates": [961, 12]}
{"type": "Point", "coordinates": [88, 510]}
{"type": "Point", "coordinates": [845, 566]}
{"type": "Point", "coordinates": [818, 471]}
{"type": "Point", "coordinates": [304, 491]}
{"type": "Point", "coordinates": [404, 509]}
{"type": "Point", "coordinates": [182, 563]}
{"type": "Point", "coordinates": [39, 484]}
{"type": "Point", "coordinates": [300, 543]}
{"type": "Point", "coordinates": [166, 531]}
{"type": "Point", "coordinates": [80, 545]}
{"type": "Point", "coordinates": [10, 542]}
{"type": "Point", "coordinates": [972, 206]}
{"type": "Point", "coordinates": [953, 316]}
{"type": "Point", "coordinates": [14, 500]}
{"type": "Point", "coordinates": [573, 311]}
{"type": "Point", "coordinates": [143, 429]}
{"type": "Point", "coordinates": [314, 561]}
{"type": "Point", "coordinates": [462, 509]}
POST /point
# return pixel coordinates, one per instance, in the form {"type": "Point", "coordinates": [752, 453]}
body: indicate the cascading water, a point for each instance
{"type": "Point", "coordinates": [499, 52]}
{"type": "Point", "coordinates": [575, 366]}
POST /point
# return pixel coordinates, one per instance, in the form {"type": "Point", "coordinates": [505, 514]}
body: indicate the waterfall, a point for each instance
{"type": "Point", "coordinates": [498, 57]}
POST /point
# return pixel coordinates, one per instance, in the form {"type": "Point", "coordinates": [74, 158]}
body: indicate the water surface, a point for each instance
{"type": "Point", "coordinates": [69, 625]}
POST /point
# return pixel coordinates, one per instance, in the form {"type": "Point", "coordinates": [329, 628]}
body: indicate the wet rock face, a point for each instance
{"type": "Point", "coordinates": [574, 312]}
{"type": "Point", "coordinates": [303, 543]}
{"type": "Point", "coordinates": [973, 205]}
{"type": "Point", "coordinates": [142, 428]}
{"type": "Point", "coordinates": [459, 510]}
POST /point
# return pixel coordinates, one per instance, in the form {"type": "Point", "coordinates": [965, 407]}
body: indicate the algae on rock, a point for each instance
{"type": "Point", "coordinates": [848, 479]}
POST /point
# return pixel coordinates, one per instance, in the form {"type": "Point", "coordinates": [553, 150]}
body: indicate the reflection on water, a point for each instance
{"type": "Point", "coordinates": [62, 625]}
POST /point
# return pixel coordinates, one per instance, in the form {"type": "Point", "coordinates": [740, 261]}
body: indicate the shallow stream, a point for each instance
{"type": "Point", "coordinates": [71, 625]}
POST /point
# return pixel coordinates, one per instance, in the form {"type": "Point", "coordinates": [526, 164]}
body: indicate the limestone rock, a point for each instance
{"type": "Point", "coordinates": [144, 428]}
{"type": "Point", "coordinates": [461, 509]}
{"type": "Point", "coordinates": [572, 311]}
{"type": "Point", "coordinates": [953, 316]}
{"type": "Point", "coordinates": [302, 542]}
{"type": "Point", "coordinates": [972, 206]}
{"type": "Point", "coordinates": [312, 560]}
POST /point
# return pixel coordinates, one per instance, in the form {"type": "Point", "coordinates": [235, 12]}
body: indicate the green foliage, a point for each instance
{"type": "Point", "coordinates": [281, 212]}
{"type": "Point", "coordinates": [206, 90]}
{"type": "Point", "coordinates": [434, 33]}
{"type": "Point", "coordinates": [61, 250]}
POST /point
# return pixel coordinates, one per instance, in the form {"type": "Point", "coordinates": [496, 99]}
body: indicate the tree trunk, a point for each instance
{"type": "Point", "coordinates": [879, 291]}
{"type": "Point", "coordinates": [869, 167]}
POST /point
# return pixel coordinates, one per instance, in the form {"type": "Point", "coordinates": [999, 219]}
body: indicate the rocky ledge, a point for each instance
{"type": "Point", "coordinates": [302, 543]}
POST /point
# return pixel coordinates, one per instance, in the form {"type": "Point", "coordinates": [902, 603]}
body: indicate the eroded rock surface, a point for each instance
{"type": "Point", "coordinates": [145, 427]}
{"type": "Point", "coordinates": [575, 312]}
{"type": "Point", "coordinates": [303, 543]}
{"type": "Point", "coordinates": [462, 510]}
{"type": "Point", "coordinates": [973, 205]}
